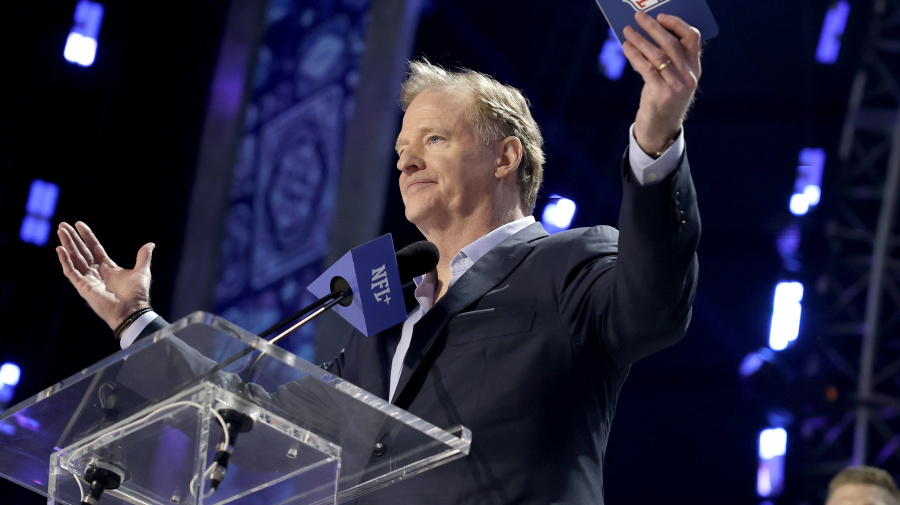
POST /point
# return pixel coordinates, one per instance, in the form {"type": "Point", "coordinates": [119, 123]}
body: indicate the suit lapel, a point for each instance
{"type": "Point", "coordinates": [483, 276]}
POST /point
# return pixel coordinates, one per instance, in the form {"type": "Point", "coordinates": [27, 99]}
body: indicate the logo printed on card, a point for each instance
{"type": "Point", "coordinates": [645, 5]}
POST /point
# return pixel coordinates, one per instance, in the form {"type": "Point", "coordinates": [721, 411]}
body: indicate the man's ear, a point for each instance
{"type": "Point", "coordinates": [509, 152]}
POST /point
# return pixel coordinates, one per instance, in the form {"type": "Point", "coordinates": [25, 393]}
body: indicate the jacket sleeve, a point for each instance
{"type": "Point", "coordinates": [655, 277]}
{"type": "Point", "coordinates": [633, 291]}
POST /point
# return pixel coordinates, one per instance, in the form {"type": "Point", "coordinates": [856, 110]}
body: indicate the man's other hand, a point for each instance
{"type": "Point", "coordinates": [670, 69]}
{"type": "Point", "coordinates": [112, 291]}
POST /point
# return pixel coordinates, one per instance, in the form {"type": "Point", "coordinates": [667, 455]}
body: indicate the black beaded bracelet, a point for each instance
{"type": "Point", "coordinates": [130, 319]}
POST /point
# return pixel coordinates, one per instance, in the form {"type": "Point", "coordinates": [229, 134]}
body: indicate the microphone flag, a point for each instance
{"type": "Point", "coordinates": [371, 270]}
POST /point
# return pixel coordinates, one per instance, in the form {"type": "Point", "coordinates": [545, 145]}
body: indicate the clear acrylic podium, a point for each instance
{"type": "Point", "coordinates": [147, 413]}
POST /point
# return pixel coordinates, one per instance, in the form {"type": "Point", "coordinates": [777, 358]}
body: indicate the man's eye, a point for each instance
{"type": "Point", "coordinates": [434, 139]}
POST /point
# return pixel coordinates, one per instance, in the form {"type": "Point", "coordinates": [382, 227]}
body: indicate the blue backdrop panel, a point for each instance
{"type": "Point", "coordinates": [287, 171]}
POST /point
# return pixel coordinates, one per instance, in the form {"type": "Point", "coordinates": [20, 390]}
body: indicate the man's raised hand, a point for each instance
{"type": "Point", "coordinates": [670, 69]}
{"type": "Point", "coordinates": [113, 292]}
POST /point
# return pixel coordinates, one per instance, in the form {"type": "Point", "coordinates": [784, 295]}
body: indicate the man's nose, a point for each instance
{"type": "Point", "coordinates": [409, 161]}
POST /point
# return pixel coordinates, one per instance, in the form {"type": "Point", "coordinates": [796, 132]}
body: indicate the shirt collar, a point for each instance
{"type": "Point", "coordinates": [467, 257]}
{"type": "Point", "coordinates": [483, 245]}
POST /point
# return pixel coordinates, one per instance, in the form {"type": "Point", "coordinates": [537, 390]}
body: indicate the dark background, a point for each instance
{"type": "Point", "coordinates": [121, 138]}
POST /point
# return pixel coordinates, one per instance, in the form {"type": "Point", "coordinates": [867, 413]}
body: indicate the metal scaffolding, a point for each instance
{"type": "Point", "coordinates": [856, 417]}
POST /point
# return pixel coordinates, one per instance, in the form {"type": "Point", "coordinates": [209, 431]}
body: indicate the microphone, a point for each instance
{"type": "Point", "coordinates": [366, 306]}
{"type": "Point", "coordinates": [372, 273]}
{"type": "Point", "coordinates": [416, 259]}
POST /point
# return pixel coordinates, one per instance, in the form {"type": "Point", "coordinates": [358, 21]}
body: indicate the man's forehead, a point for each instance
{"type": "Point", "coordinates": [438, 103]}
{"type": "Point", "coordinates": [433, 111]}
{"type": "Point", "coordinates": [860, 494]}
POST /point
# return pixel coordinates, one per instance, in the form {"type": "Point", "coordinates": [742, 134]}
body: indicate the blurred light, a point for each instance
{"type": "Point", "coordinates": [10, 373]}
{"type": "Point", "coordinates": [81, 45]}
{"type": "Point", "coordinates": [813, 194]}
{"type": "Point", "coordinates": [751, 364]}
{"type": "Point", "coordinates": [558, 214]}
{"type": "Point", "coordinates": [42, 197]}
{"type": "Point", "coordinates": [785, 314]}
{"type": "Point", "coordinates": [770, 472]}
{"type": "Point", "coordinates": [772, 442]}
{"type": "Point", "coordinates": [832, 30]}
{"type": "Point", "coordinates": [34, 230]}
{"type": "Point", "coordinates": [612, 59]}
{"type": "Point", "coordinates": [6, 395]}
{"type": "Point", "coordinates": [40, 207]}
{"type": "Point", "coordinates": [26, 422]}
{"type": "Point", "coordinates": [788, 242]}
{"type": "Point", "coordinates": [799, 204]}
{"type": "Point", "coordinates": [80, 49]}
{"type": "Point", "coordinates": [770, 477]}
{"type": "Point", "coordinates": [808, 184]}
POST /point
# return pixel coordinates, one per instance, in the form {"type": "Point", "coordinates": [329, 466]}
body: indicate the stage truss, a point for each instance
{"type": "Point", "coordinates": [855, 370]}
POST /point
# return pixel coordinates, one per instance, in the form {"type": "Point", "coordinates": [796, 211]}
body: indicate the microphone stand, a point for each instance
{"type": "Point", "coordinates": [339, 295]}
{"type": "Point", "coordinates": [237, 422]}
{"type": "Point", "coordinates": [342, 294]}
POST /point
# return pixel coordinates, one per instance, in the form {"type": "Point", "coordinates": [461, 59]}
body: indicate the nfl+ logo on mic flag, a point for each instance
{"type": "Point", "coordinates": [620, 13]}
{"type": "Point", "coordinates": [371, 270]}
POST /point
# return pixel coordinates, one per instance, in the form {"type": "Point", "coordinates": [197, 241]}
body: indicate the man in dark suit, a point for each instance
{"type": "Point", "coordinates": [523, 337]}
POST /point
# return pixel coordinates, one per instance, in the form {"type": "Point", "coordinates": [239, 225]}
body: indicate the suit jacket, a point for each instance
{"type": "Point", "coordinates": [530, 348]}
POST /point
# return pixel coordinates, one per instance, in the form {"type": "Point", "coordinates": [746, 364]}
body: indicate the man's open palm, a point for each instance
{"type": "Point", "coordinates": [112, 291]}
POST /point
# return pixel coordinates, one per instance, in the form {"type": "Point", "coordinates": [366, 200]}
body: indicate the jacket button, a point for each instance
{"type": "Point", "coordinates": [681, 226]}
{"type": "Point", "coordinates": [379, 449]}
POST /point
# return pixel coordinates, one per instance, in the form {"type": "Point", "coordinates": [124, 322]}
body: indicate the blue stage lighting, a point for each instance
{"type": "Point", "coordinates": [808, 184]}
{"type": "Point", "coordinates": [612, 59]}
{"type": "Point", "coordinates": [80, 49]}
{"type": "Point", "coordinates": [810, 166]}
{"type": "Point", "coordinates": [81, 45]}
{"type": "Point", "coordinates": [42, 197]}
{"type": "Point", "coordinates": [558, 214]}
{"type": "Point", "coordinates": [786, 310]}
{"type": "Point", "coordinates": [34, 230]}
{"type": "Point", "coordinates": [832, 30]}
{"type": "Point", "coordinates": [813, 194]}
{"type": "Point", "coordinates": [772, 443]}
{"type": "Point", "coordinates": [751, 364]}
{"type": "Point", "coordinates": [770, 472]}
{"type": "Point", "coordinates": [40, 207]}
{"type": "Point", "coordinates": [788, 243]}
{"type": "Point", "coordinates": [10, 373]}
{"type": "Point", "coordinates": [799, 204]}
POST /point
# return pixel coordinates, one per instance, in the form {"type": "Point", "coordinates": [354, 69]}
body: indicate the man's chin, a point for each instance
{"type": "Point", "coordinates": [418, 216]}
{"type": "Point", "coordinates": [414, 217]}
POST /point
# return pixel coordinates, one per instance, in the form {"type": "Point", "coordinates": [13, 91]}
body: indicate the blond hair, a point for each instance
{"type": "Point", "coordinates": [500, 111]}
{"type": "Point", "coordinates": [865, 475]}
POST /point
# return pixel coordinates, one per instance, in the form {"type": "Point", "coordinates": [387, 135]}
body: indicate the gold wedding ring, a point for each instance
{"type": "Point", "coordinates": [663, 66]}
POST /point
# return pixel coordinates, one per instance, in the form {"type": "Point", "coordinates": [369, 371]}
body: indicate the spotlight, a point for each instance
{"type": "Point", "coordinates": [558, 214]}
{"type": "Point", "coordinates": [832, 30]}
{"type": "Point", "coordinates": [786, 310]}
{"type": "Point", "coordinates": [612, 59]}
{"type": "Point", "coordinates": [81, 44]}
{"type": "Point", "coordinates": [770, 472]}
{"type": "Point", "coordinates": [10, 373]}
{"type": "Point", "coordinates": [40, 207]}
